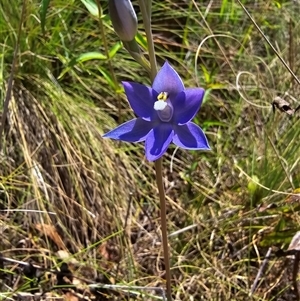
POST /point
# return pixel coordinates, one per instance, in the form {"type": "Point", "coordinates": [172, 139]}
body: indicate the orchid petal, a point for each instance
{"type": "Point", "coordinates": [187, 104]}
{"type": "Point", "coordinates": [135, 130]}
{"type": "Point", "coordinates": [141, 99]}
{"type": "Point", "coordinates": [168, 80]}
{"type": "Point", "coordinates": [158, 141]}
{"type": "Point", "coordinates": [190, 136]}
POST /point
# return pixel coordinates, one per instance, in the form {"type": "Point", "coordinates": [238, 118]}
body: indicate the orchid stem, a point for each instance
{"type": "Point", "coordinates": [163, 220]}
{"type": "Point", "coordinates": [145, 6]}
{"type": "Point", "coordinates": [147, 24]}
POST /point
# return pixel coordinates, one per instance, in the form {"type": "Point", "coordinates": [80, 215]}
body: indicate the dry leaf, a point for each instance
{"type": "Point", "coordinates": [69, 296]}
{"type": "Point", "coordinates": [50, 231]}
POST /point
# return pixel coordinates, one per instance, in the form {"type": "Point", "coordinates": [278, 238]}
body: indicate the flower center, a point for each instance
{"type": "Point", "coordinates": [163, 107]}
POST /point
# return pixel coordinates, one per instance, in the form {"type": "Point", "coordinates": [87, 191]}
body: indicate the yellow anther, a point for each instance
{"type": "Point", "coordinates": [162, 96]}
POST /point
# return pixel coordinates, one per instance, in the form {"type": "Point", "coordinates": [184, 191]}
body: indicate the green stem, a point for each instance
{"type": "Point", "coordinates": [145, 9]}
{"type": "Point", "coordinates": [163, 218]}
{"type": "Point", "coordinates": [150, 43]}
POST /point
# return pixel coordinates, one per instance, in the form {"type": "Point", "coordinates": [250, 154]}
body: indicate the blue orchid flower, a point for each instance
{"type": "Point", "coordinates": [164, 112]}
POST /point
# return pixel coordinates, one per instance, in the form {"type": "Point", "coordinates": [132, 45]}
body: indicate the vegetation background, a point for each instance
{"type": "Point", "coordinates": [68, 195]}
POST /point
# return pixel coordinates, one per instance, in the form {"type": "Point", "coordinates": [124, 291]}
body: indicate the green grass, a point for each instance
{"type": "Point", "coordinates": [102, 193]}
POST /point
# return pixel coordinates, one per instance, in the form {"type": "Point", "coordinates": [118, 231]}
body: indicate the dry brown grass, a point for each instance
{"type": "Point", "coordinates": [103, 195]}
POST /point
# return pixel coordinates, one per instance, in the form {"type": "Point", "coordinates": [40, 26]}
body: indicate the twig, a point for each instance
{"type": "Point", "coordinates": [270, 44]}
{"type": "Point", "coordinates": [260, 272]}
{"type": "Point", "coordinates": [28, 211]}
{"type": "Point", "coordinates": [91, 284]}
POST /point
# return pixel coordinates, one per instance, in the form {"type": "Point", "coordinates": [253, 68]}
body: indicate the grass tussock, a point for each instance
{"type": "Point", "coordinates": [69, 195]}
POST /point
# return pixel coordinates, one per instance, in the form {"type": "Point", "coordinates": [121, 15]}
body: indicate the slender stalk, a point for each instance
{"type": "Point", "coordinates": [163, 220]}
{"type": "Point", "coordinates": [150, 42]}
{"type": "Point", "coordinates": [145, 9]}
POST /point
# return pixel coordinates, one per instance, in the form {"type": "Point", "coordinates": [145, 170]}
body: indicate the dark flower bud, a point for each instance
{"type": "Point", "coordinates": [123, 19]}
